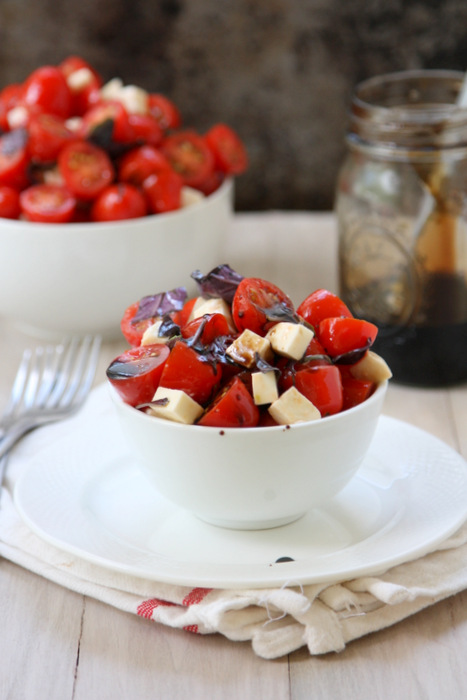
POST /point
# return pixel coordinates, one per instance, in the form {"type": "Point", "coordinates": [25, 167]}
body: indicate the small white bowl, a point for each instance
{"type": "Point", "coordinates": [252, 478]}
{"type": "Point", "coordinates": [62, 279]}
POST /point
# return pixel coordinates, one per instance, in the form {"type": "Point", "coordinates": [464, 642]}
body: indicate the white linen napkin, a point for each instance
{"type": "Point", "coordinates": [323, 617]}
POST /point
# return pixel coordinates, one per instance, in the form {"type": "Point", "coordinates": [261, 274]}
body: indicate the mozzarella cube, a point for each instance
{"type": "Point", "coordinates": [134, 99]}
{"type": "Point", "coordinates": [371, 368]}
{"type": "Point", "coordinates": [74, 123]}
{"type": "Point", "coordinates": [179, 407]}
{"type": "Point", "coordinates": [151, 335]}
{"type": "Point", "coordinates": [264, 387]}
{"type": "Point", "coordinates": [244, 349]}
{"type": "Point", "coordinates": [190, 196]}
{"type": "Point", "coordinates": [79, 79]}
{"type": "Point", "coordinates": [293, 407]}
{"type": "Point", "coordinates": [215, 305]}
{"type": "Point", "coordinates": [17, 117]}
{"type": "Point", "coordinates": [111, 90]}
{"type": "Point", "coordinates": [290, 339]}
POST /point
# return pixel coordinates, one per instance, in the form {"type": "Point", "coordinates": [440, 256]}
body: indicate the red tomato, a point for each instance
{"type": "Point", "coordinates": [136, 165]}
{"type": "Point", "coordinates": [321, 384]}
{"type": "Point", "coordinates": [133, 332]}
{"type": "Point", "coordinates": [355, 391]}
{"type": "Point", "coordinates": [342, 335]}
{"type": "Point", "coordinates": [9, 203]}
{"type": "Point", "coordinates": [213, 325]}
{"type": "Point", "coordinates": [14, 159]}
{"type": "Point", "coordinates": [229, 152]}
{"type": "Point", "coordinates": [163, 191]}
{"type": "Point", "coordinates": [119, 201]}
{"type": "Point", "coordinates": [47, 204]}
{"type": "Point", "coordinates": [315, 348]}
{"type": "Point", "coordinates": [212, 183]}
{"type": "Point", "coordinates": [84, 92]}
{"type": "Point", "coordinates": [136, 373]}
{"type": "Point", "coordinates": [181, 317]}
{"type": "Point", "coordinates": [233, 407]}
{"type": "Point", "coordinates": [322, 304]}
{"type": "Point", "coordinates": [188, 371]}
{"type": "Point", "coordinates": [145, 129]}
{"type": "Point", "coordinates": [86, 169]}
{"type": "Point", "coordinates": [190, 157]}
{"type": "Point", "coordinates": [10, 97]}
{"type": "Point", "coordinates": [47, 89]}
{"type": "Point", "coordinates": [71, 64]}
{"type": "Point", "coordinates": [164, 111]}
{"type": "Point", "coordinates": [111, 111]}
{"type": "Point", "coordinates": [253, 298]}
{"type": "Point", "coordinates": [47, 136]}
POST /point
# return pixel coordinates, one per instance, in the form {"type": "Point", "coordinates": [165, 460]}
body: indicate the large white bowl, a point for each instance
{"type": "Point", "coordinates": [252, 478]}
{"type": "Point", "coordinates": [79, 278]}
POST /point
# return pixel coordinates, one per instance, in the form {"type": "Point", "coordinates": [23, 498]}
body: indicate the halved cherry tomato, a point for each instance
{"type": "Point", "coordinates": [47, 136]}
{"type": "Point", "coordinates": [71, 64]}
{"type": "Point", "coordinates": [84, 86]}
{"type": "Point", "coordinates": [119, 201]}
{"type": "Point", "coordinates": [9, 203]}
{"type": "Point", "coordinates": [181, 317]}
{"type": "Point", "coordinates": [229, 152]}
{"type": "Point", "coordinates": [321, 384]}
{"type": "Point", "coordinates": [136, 165]}
{"type": "Point", "coordinates": [233, 407]}
{"type": "Point", "coordinates": [10, 97]}
{"type": "Point", "coordinates": [190, 372]}
{"type": "Point", "coordinates": [355, 391]}
{"type": "Point", "coordinates": [47, 89]}
{"type": "Point", "coordinates": [322, 304]}
{"type": "Point", "coordinates": [145, 129]}
{"type": "Point", "coordinates": [109, 112]}
{"type": "Point", "coordinates": [86, 169]}
{"type": "Point", "coordinates": [213, 325]}
{"type": "Point", "coordinates": [133, 332]}
{"type": "Point", "coordinates": [189, 156]}
{"type": "Point", "coordinates": [253, 298]}
{"type": "Point", "coordinates": [342, 335]}
{"type": "Point", "coordinates": [14, 159]}
{"type": "Point", "coordinates": [136, 373]}
{"type": "Point", "coordinates": [164, 111]}
{"type": "Point", "coordinates": [163, 191]}
{"type": "Point", "coordinates": [47, 204]}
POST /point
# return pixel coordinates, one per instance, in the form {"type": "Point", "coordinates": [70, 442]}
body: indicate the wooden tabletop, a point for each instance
{"type": "Point", "coordinates": [58, 645]}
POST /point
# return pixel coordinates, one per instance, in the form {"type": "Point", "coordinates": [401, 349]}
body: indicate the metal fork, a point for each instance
{"type": "Point", "coordinates": [51, 383]}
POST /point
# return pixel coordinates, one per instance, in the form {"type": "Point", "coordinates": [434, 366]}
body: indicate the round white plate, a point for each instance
{"type": "Point", "coordinates": [85, 495]}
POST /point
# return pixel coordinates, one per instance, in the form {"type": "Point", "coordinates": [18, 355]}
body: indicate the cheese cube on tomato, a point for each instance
{"type": "Point", "coordinates": [79, 79]}
{"type": "Point", "coordinates": [264, 387]}
{"type": "Point", "coordinates": [215, 305]}
{"type": "Point", "coordinates": [111, 90]}
{"type": "Point", "coordinates": [244, 349]}
{"type": "Point", "coordinates": [151, 335]}
{"type": "Point", "coordinates": [290, 339]}
{"type": "Point", "coordinates": [371, 368]}
{"type": "Point", "coordinates": [293, 407]}
{"type": "Point", "coordinates": [175, 405]}
{"type": "Point", "coordinates": [134, 99]}
{"type": "Point", "coordinates": [17, 117]}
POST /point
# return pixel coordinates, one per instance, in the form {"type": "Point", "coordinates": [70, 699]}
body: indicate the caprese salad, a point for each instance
{"type": "Point", "coordinates": [74, 149]}
{"type": "Point", "coordinates": [240, 355]}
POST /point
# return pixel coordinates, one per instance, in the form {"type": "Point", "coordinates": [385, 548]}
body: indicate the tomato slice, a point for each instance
{"type": "Point", "coordinates": [181, 317]}
{"type": "Point", "coordinates": [254, 302]}
{"type": "Point", "coordinates": [322, 304]}
{"type": "Point", "coordinates": [86, 169]}
{"type": "Point", "coordinates": [163, 191]}
{"type": "Point", "coordinates": [355, 391]}
{"type": "Point", "coordinates": [145, 129]}
{"type": "Point", "coordinates": [119, 201]}
{"type": "Point", "coordinates": [189, 371]}
{"type": "Point", "coordinates": [110, 112]}
{"type": "Point", "coordinates": [47, 136]}
{"type": "Point", "coordinates": [9, 203]}
{"type": "Point", "coordinates": [211, 326]}
{"type": "Point", "coordinates": [136, 373]}
{"type": "Point", "coordinates": [233, 407]}
{"type": "Point", "coordinates": [133, 332]}
{"type": "Point", "coordinates": [136, 165]}
{"type": "Point", "coordinates": [49, 204]}
{"type": "Point", "coordinates": [14, 159]}
{"type": "Point", "coordinates": [190, 157]}
{"type": "Point", "coordinates": [47, 89]}
{"type": "Point", "coordinates": [229, 152]}
{"type": "Point", "coordinates": [320, 383]}
{"type": "Point", "coordinates": [342, 335]}
{"type": "Point", "coordinates": [164, 111]}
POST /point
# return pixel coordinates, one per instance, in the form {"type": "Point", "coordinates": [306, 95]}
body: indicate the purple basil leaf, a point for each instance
{"type": "Point", "coordinates": [350, 358]}
{"type": "Point", "coordinates": [222, 282]}
{"type": "Point", "coordinates": [13, 141]}
{"type": "Point", "coordinates": [160, 304]}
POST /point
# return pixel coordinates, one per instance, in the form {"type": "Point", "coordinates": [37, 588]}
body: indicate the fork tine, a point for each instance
{"type": "Point", "coordinates": [83, 372]}
{"type": "Point", "coordinates": [19, 384]}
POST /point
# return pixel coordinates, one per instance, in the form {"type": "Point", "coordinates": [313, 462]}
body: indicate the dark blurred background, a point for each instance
{"type": "Point", "coordinates": [281, 72]}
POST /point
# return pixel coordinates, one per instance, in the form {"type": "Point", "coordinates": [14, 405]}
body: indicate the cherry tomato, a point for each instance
{"type": "Point", "coordinates": [253, 298]}
{"type": "Point", "coordinates": [212, 326]}
{"type": "Point", "coordinates": [229, 152]}
{"type": "Point", "coordinates": [355, 391]}
{"type": "Point", "coordinates": [47, 89]}
{"type": "Point", "coordinates": [322, 304]}
{"type": "Point", "coordinates": [84, 92]}
{"type": "Point", "coordinates": [163, 191]}
{"type": "Point", "coordinates": [190, 157]}
{"type": "Point", "coordinates": [11, 96]}
{"type": "Point", "coordinates": [145, 129]}
{"type": "Point", "coordinates": [133, 332]}
{"type": "Point", "coordinates": [71, 64]}
{"type": "Point", "coordinates": [164, 111]}
{"type": "Point", "coordinates": [181, 317]}
{"type": "Point", "coordinates": [189, 371]}
{"type": "Point", "coordinates": [119, 201]}
{"type": "Point", "coordinates": [342, 335]}
{"type": "Point", "coordinates": [9, 203]}
{"type": "Point", "coordinates": [110, 111]}
{"type": "Point", "coordinates": [47, 204]}
{"type": "Point", "coordinates": [136, 165]}
{"type": "Point", "coordinates": [212, 183]}
{"type": "Point", "coordinates": [321, 384]}
{"type": "Point", "coordinates": [136, 373]}
{"type": "Point", "coordinates": [233, 407]}
{"type": "Point", "coordinates": [14, 159]}
{"type": "Point", "coordinates": [86, 169]}
{"type": "Point", "coordinates": [47, 136]}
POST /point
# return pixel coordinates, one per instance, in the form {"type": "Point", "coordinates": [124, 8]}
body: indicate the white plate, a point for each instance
{"type": "Point", "coordinates": [86, 496]}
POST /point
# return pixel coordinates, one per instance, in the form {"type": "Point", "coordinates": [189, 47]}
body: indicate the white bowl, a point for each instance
{"type": "Point", "coordinates": [252, 478]}
{"type": "Point", "coordinates": [79, 278]}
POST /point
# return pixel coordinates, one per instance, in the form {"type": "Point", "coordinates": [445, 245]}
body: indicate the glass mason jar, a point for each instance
{"type": "Point", "coordinates": [401, 205]}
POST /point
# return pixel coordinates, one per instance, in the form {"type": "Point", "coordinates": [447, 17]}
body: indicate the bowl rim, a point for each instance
{"type": "Point", "coordinates": [378, 394]}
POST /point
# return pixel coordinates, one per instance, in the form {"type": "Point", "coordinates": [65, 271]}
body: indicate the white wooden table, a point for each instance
{"type": "Point", "coordinates": [58, 645]}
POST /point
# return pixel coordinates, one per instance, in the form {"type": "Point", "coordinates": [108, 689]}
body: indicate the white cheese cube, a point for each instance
{"type": "Point", "coordinates": [134, 99]}
{"type": "Point", "coordinates": [293, 407]}
{"type": "Point", "coordinates": [290, 339]}
{"type": "Point", "coordinates": [215, 305]}
{"type": "Point", "coordinates": [190, 196]}
{"type": "Point", "coordinates": [151, 335]}
{"type": "Point", "coordinates": [79, 79]}
{"type": "Point", "coordinates": [111, 90]}
{"type": "Point", "coordinates": [53, 176]}
{"type": "Point", "coordinates": [244, 349]}
{"type": "Point", "coordinates": [74, 123]}
{"type": "Point", "coordinates": [180, 407]}
{"type": "Point", "coordinates": [17, 117]}
{"type": "Point", "coordinates": [371, 368]}
{"type": "Point", "coordinates": [264, 387]}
